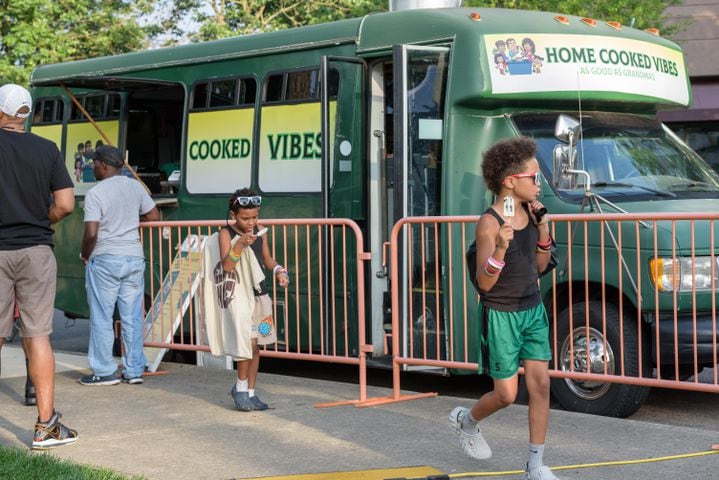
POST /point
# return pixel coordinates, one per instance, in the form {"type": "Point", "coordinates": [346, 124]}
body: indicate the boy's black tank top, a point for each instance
{"type": "Point", "coordinates": [257, 250]}
{"type": "Point", "coordinates": [516, 288]}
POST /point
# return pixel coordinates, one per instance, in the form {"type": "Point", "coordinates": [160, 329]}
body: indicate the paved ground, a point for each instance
{"type": "Point", "coordinates": [183, 426]}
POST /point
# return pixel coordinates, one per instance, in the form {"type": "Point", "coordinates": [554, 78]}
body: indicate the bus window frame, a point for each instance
{"type": "Point", "coordinates": [209, 81]}
{"type": "Point", "coordinates": [82, 98]}
{"type": "Point", "coordinates": [56, 99]}
{"type": "Point", "coordinates": [285, 83]}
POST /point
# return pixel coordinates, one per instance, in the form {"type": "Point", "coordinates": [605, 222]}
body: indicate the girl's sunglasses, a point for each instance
{"type": "Point", "coordinates": [537, 177]}
{"type": "Point", "coordinates": [255, 201]}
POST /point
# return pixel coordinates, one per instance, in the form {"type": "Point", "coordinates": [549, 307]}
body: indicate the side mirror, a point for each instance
{"type": "Point", "coordinates": [566, 128]}
{"type": "Point", "coordinates": [564, 157]}
{"type": "Point", "coordinates": [564, 166]}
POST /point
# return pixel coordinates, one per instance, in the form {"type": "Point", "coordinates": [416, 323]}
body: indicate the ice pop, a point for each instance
{"type": "Point", "coordinates": [508, 206]}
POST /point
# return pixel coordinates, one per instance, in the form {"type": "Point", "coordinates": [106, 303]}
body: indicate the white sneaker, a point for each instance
{"type": "Point", "coordinates": [473, 444]}
{"type": "Point", "coordinates": [541, 473]}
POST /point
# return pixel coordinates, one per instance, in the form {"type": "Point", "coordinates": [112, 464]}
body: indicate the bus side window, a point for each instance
{"type": "Point", "coordinates": [199, 96]}
{"type": "Point", "coordinates": [223, 93]}
{"type": "Point", "coordinates": [273, 88]}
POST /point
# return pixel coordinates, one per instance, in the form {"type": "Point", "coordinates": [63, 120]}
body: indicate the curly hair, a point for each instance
{"type": "Point", "coordinates": [235, 207]}
{"type": "Point", "coordinates": [505, 158]}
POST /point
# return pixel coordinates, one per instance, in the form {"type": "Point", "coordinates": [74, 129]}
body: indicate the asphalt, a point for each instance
{"type": "Point", "coordinates": [183, 425]}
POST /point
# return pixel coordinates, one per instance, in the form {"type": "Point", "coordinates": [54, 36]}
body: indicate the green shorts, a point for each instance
{"type": "Point", "coordinates": [511, 337]}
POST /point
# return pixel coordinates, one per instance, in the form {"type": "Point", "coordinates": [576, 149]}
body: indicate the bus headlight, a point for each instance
{"type": "Point", "coordinates": [675, 274]}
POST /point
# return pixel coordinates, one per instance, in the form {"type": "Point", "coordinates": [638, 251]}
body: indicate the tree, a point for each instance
{"type": "Point", "coordinates": [635, 13]}
{"type": "Point", "coordinates": [34, 32]}
{"type": "Point", "coordinates": [223, 18]}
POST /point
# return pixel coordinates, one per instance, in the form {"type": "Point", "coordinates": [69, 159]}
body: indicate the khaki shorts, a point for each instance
{"type": "Point", "coordinates": [28, 276]}
{"type": "Point", "coordinates": [263, 329]}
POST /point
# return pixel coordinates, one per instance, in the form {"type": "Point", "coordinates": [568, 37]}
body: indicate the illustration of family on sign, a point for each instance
{"type": "Point", "coordinates": [510, 59]}
{"type": "Point", "coordinates": [83, 161]}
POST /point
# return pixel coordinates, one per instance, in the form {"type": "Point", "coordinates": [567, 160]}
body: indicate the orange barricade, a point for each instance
{"type": "Point", "coordinates": [623, 288]}
{"type": "Point", "coordinates": [631, 304]}
{"type": "Point", "coordinates": [319, 317]}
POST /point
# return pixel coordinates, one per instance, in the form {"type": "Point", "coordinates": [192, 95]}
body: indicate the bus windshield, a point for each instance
{"type": "Point", "coordinates": [628, 157]}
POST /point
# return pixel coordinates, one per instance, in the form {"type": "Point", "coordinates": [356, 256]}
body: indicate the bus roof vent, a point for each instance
{"type": "Point", "coordinates": [397, 5]}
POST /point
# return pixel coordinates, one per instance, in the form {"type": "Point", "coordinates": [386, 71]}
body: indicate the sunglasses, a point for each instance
{"type": "Point", "coordinates": [536, 175]}
{"type": "Point", "coordinates": [255, 201]}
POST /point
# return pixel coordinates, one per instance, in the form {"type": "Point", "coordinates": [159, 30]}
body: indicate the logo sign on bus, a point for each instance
{"type": "Point", "coordinates": [533, 63]}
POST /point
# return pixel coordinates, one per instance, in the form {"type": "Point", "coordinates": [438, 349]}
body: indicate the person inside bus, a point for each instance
{"type": "Point", "coordinates": [513, 248]}
{"type": "Point", "coordinates": [244, 235]}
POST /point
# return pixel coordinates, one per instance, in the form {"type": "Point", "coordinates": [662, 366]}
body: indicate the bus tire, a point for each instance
{"type": "Point", "coordinates": [599, 398]}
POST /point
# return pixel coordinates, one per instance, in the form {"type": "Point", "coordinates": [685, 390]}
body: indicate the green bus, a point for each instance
{"type": "Point", "coordinates": [412, 100]}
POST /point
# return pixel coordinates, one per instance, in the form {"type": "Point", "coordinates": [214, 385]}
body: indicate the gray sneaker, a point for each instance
{"type": "Point", "coordinates": [258, 404]}
{"type": "Point", "coordinates": [541, 473]}
{"type": "Point", "coordinates": [473, 444]}
{"type": "Point", "coordinates": [242, 400]}
{"type": "Point", "coordinates": [132, 380]}
{"type": "Point", "coordinates": [112, 379]}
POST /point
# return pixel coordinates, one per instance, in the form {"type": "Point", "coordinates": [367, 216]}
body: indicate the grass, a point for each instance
{"type": "Point", "coordinates": [20, 464]}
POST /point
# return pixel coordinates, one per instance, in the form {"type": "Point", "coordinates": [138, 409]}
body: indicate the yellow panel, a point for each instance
{"type": "Point", "coordinates": [378, 474]}
{"type": "Point", "coordinates": [51, 132]}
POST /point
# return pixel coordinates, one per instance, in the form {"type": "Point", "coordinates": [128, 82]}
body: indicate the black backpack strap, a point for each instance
{"type": "Point", "coordinates": [483, 343]}
{"type": "Point", "coordinates": [492, 212]}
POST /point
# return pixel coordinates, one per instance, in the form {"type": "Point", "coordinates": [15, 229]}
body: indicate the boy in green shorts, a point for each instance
{"type": "Point", "coordinates": [513, 248]}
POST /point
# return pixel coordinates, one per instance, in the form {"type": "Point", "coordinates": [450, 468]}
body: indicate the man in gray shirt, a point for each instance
{"type": "Point", "coordinates": [115, 267]}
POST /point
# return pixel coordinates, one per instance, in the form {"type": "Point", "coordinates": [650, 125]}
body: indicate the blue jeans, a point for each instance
{"type": "Point", "coordinates": [110, 280]}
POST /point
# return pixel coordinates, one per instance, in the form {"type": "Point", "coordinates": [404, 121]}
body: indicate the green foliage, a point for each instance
{"type": "Point", "coordinates": [232, 17]}
{"type": "Point", "coordinates": [636, 13]}
{"type": "Point", "coordinates": [223, 18]}
{"type": "Point", "coordinates": [24, 465]}
{"type": "Point", "coordinates": [34, 32]}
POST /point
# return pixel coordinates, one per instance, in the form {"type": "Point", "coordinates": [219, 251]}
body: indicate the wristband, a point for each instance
{"type": "Point", "coordinates": [233, 256]}
{"type": "Point", "coordinates": [498, 264]}
{"type": "Point", "coordinates": [278, 267]}
{"type": "Point", "coordinates": [545, 245]}
{"type": "Point", "coordinates": [493, 266]}
{"type": "Point", "coordinates": [491, 271]}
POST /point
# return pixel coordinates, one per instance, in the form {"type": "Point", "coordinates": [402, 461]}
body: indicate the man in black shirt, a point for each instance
{"type": "Point", "coordinates": [35, 192]}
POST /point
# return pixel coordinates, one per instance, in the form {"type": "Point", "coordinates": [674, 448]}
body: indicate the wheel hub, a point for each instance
{"type": "Point", "coordinates": [587, 354]}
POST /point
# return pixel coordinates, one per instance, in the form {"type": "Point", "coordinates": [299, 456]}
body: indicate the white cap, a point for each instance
{"type": "Point", "coordinates": [13, 98]}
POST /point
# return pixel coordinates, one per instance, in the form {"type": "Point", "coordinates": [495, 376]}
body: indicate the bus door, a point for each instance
{"type": "Point", "coordinates": [342, 183]}
{"type": "Point", "coordinates": [407, 115]}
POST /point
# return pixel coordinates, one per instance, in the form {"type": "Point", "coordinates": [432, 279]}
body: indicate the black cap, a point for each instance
{"type": "Point", "coordinates": [108, 155]}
